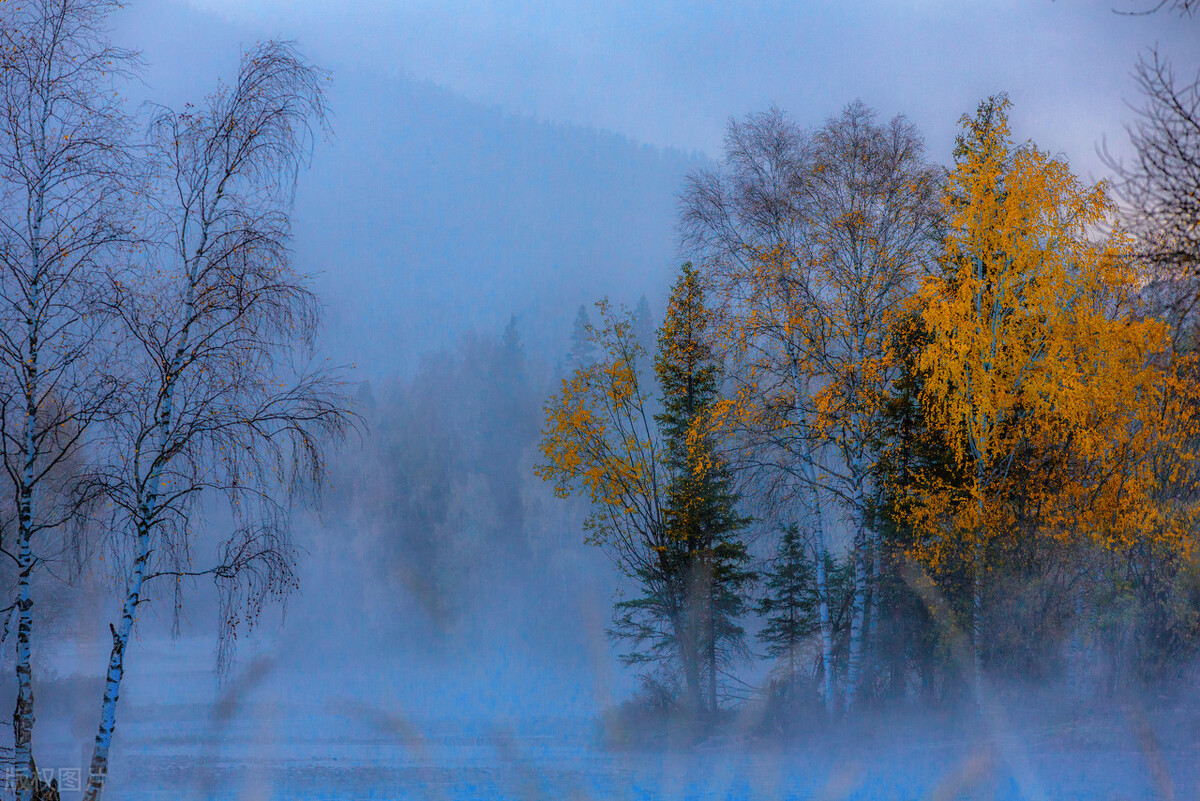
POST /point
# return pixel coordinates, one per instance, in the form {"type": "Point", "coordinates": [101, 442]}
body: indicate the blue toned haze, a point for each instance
{"type": "Point", "coordinates": [490, 172]}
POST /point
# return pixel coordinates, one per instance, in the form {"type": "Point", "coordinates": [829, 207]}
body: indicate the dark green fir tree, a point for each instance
{"type": "Point", "coordinates": [789, 601]}
{"type": "Point", "coordinates": [697, 592]}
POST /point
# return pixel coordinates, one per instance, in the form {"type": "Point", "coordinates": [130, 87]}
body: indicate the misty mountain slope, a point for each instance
{"type": "Point", "coordinates": [429, 215]}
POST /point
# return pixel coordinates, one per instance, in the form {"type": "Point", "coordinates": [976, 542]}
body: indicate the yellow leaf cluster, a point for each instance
{"type": "Point", "coordinates": [596, 439]}
{"type": "Point", "coordinates": [1039, 352]}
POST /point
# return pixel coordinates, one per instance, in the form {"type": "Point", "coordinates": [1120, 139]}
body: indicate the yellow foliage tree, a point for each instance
{"type": "Point", "coordinates": [1034, 347]}
{"type": "Point", "coordinates": [599, 440]}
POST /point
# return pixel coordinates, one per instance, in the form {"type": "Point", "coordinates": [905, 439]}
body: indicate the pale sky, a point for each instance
{"type": "Point", "coordinates": [671, 73]}
{"type": "Point", "coordinates": [524, 158]}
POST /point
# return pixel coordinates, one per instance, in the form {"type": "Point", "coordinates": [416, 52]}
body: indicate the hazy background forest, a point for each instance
{"type": "Point", "coordinates": [488, 175]}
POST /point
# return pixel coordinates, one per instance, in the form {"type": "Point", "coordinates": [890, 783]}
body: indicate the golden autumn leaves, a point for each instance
{"type": "Point", "coordinates": [598, 436]}
{"type": "Point", "coordinates": [1036, 344]}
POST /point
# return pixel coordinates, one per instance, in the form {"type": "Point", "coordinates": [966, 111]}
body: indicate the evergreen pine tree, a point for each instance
{"type": "Point", "coordinates": [693, 595]}
{"type": "Point", "coordinates": [583, 351]}
{"type": "Point", "coordinates": [789, 603]}
{"type": "Point", "coordinates": [701, 511]}
{"type": "Point", "coordinates": [643, 325]}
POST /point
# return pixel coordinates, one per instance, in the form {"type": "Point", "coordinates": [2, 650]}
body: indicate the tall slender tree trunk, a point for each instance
{"type": "Point", "coordinates": [861, 602]}
{"type": "Point", "coordinates": [98, 769]}
{"type": "Point", "coordinates": [697, 606]}
{"type": "Point", "coordinates": [689, 655]}
{"type": "Point", "coordinates": [704, 591]}
{"type": "Point", "coordinates": [683, 623]}
{"type": "Point", "coordinates": [977, 567]}
{"type": "Point", "coordinates": [146, 511]}
{"type": "Point", "coordinates": [813, 496]}
{"type": "Point", "coordinates": [857, 621]}
{"type": "Point", "coordinates": [823, 620]}
{"type": "Point", "coordinates": [23, 715]}
{"type": "Point", "coordinates": [147, 508]}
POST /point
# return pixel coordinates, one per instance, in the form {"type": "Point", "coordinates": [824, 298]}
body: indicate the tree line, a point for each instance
{"type": "Point", "coordinates": [926, 429]}
{"type": "Point", "coordinates": [155, 340]}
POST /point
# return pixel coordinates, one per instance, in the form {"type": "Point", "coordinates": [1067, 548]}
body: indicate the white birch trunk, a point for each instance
{"type": "Point", "coordinates": [23, 715]}
{"type": "Point", "coordinates": [858, 633]}
{"type": "Point", "coordinates": [146, 510]}
{"type": "Point", "coordinates": [813, 494]}
{"type": "Point", "coordinates": [823, 613]}
{"type": "Point", "coordinates": [858, 475]}
{"type": "Point", "coordinates": [858, 618]}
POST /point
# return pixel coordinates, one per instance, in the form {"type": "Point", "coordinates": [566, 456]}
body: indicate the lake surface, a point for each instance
{"type": "Point", "coordinates": [508, 729]}
{"type": "Point", "coordinates": [354, 752]}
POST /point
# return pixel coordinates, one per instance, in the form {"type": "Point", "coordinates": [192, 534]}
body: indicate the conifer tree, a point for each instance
{"type": "Point", "coordinates": [701, 509]}
{"type": "Point", "coordinates": [643, 325]}
{"type": "Point", "coordinates": [789, 603]}
{"type": "Point", "coordinates": [583, 350]}
{"type": "Point", "coordinates": [693, 593]}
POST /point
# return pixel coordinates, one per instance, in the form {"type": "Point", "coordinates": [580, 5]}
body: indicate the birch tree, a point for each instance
{"type": "Point", "coordinates": [1033, 345]}
{"type": "Point", "coordinates": [219, 396]}
{"type": "Point", "coordinates": [816, 241]}
{"type": "Point", "coordinates": [62, 165]}
{"type": "Point", "coordinates": [600, 441]}
{"type": "Point", "coordinates": [875, 204]}
{"type": "Point", "coordinates": [732, 218]}
{"type": "Point", "coordinates": [1160, 192]}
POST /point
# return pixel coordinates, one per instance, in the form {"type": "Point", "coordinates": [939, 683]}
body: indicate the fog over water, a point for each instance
{"type": "Point", "coordinates": [491, 169]}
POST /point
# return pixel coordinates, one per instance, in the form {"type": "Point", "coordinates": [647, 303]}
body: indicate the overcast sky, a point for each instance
{"type": "Point", "coordinates": [671, 73]}
{"type": "Point", "coordinates": [524, 158]}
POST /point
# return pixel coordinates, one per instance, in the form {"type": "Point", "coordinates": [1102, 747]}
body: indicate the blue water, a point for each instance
{"type": "Point", "coordinates": [269, 754]}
